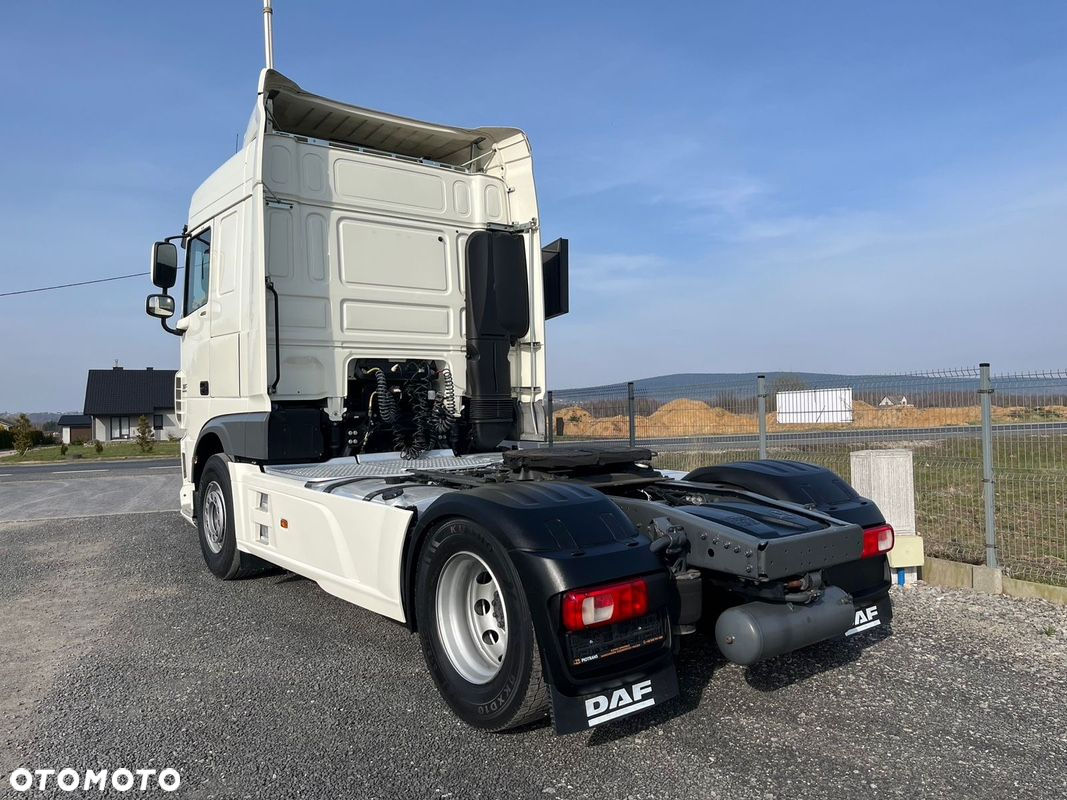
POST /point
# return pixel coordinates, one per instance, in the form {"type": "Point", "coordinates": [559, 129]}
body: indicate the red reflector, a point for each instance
{"type": "Point", "coordinates": [877, 540]}
{"type": "Point", "coordinates": [591, 608]}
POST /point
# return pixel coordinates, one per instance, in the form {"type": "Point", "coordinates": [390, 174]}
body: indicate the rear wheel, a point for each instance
{"type": "Point", "coordinates": [475, 627]}
{"type": "Point", "coordinates": [215, 523]}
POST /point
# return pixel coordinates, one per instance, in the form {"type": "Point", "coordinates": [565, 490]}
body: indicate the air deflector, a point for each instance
{"type": "Point", "coordinates": [498, 313]}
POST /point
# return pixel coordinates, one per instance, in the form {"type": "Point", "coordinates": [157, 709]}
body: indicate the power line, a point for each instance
{"type": "Point", "coordinates": [79, 283]}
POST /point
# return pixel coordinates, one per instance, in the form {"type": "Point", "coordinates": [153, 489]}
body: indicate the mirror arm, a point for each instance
{"type": "Point", "coordinates": [163, 320]}
{"type": "Point", "coordinates": [167, 328]}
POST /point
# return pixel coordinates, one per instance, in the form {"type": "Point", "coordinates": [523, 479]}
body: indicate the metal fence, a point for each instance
{"type": "Point", "coordinates": [989, 451]}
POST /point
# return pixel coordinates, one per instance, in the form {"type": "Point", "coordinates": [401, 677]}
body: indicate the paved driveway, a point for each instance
{"type": "Point", "coordinates": [93, 489]}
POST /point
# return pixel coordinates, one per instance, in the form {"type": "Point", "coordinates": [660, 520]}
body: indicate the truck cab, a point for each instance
{"type": "Point", "coordinates": [337, 243]}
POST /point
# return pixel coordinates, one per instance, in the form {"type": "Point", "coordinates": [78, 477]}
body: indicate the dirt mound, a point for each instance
{"type": "Point", "coordinates": [676, 418]}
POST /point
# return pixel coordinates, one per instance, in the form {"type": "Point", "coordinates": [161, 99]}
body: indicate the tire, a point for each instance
{"type": "Point", "coordinates": [215, 524]}
{"type": "Point", "coordinates": [472, 612]}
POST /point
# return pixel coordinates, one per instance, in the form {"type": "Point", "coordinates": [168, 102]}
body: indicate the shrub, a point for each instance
{"type": "Point", "coordinates": [145, 438]}
{"type": "Point", "coordinates": [63, 449]}
{"type": "Point", "coordinates": [22, 432]}
{"type": "Point", "coordinates": [98, 446]}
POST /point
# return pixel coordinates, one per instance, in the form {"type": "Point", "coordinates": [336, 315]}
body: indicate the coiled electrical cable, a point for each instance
{"type": "Point", "coordinates": [444, 407]}
{"type": "Point", "coordinates": [386, 403]}
{"type": "Point", "coordinates": [418, 391]}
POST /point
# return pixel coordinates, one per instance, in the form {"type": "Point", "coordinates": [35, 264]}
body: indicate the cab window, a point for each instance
{"type": "Point", "coordinates": [197, 270]}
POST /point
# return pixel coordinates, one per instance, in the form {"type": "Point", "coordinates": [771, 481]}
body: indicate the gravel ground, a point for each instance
{"type": "Point", "coordinates": [122, 650]}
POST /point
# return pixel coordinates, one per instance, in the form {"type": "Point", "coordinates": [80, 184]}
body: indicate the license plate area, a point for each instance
{"type": "Point", "coordinates": [596, 646]}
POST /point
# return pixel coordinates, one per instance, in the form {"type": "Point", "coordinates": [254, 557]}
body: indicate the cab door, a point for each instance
{"type": "Point", "coordinates": [195, 326]}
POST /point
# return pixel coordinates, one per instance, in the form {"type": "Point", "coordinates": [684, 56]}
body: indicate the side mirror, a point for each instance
{"type": "Point", "coordinates": [165, 266]}
{"type": "Point", "coordinates": [159, 305]}
{"type": "Point", "coordinates": [555, 269]}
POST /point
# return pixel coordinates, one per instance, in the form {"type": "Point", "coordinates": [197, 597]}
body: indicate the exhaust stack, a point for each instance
{"type": "Point", "coordinates": [268, 33]}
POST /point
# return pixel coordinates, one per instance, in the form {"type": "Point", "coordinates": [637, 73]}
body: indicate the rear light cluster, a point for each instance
{"type": "Point", "coordinates": [877, 541]}
{"type": "Point", "coordinates": [604, 605]}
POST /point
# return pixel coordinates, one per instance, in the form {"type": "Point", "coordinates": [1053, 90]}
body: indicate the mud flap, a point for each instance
{"type": "Point", "coordinates": [582, 712]}
{"type": "Point", "coordinates": [870, 615]}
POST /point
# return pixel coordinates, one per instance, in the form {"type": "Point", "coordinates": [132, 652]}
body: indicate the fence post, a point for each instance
{"type": "Point", "coordinates": [550, 417]}
{"type": "Point", "coordinates": [761, 411]}
{"type": "Point", "coordinates": [631, 412]}
{"type": "Point", "coordinates": [985, 391]}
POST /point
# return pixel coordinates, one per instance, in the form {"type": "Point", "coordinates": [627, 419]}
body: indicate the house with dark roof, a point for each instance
{"type": "Point", "coordinates": [75, 428]}
{"type": "Point", "coordinates": [116, 398]}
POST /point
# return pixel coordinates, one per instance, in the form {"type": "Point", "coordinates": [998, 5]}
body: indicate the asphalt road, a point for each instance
{"type": "Point", "coordinates": [120, 649]}
{"type": "Point", "coordinates": [19, 472]}
{"type": "Point", "coordinates": [51, 491]}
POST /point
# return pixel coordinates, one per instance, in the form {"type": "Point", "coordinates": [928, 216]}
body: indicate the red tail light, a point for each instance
{"type": "Point", "coordinates": [591, 608]}
{"type": "Point", "coordinates": [877, 540]}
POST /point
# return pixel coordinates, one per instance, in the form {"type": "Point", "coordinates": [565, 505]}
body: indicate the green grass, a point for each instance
{"type": "Point", "coordinates": [78, 453]}
{"type": "Point", "coordinates": [1030, 495]}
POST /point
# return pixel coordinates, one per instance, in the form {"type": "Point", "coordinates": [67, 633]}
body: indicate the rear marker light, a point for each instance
{"type": "Point", "coordinates": [604, 605]}
{"type": "Point", "coordinates": [877, 541]}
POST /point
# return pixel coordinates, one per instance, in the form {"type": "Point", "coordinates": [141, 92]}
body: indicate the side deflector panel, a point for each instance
{"type": "Point", "coordinates": [498, 313]}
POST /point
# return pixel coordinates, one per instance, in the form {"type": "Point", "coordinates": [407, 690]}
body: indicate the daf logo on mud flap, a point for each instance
{"type": "Point", "coordinates": [619, 703]}
{"type": "Point", "coordinates": [865, 619]}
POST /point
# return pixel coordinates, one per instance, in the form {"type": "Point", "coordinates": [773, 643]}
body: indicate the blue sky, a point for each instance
{"type": "Point", "coordinates": [828, 186]}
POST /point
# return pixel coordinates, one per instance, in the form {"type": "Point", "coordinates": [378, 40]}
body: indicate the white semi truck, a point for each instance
{"type": "Point", "coordinates": [362, 379]}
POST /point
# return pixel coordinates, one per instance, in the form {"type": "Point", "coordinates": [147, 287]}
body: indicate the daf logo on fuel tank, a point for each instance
{"type": "Point", "coordinates": [619, 703]}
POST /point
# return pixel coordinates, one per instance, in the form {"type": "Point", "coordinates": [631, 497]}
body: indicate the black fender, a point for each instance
{"type": "Point", "coordinates": [559, 536]}
{"type": "Point", "coordinates": [817, 487]}
{"type": "Point", "coordinates": [289, 434]}
{"type": "Point", "coordinates": [795, 482]}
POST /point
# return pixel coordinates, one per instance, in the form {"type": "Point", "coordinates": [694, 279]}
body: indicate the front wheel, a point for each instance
{"type": "Point", "coordinates": [215, 524]}
{"type": "Point", "coordinates": [475, 627]}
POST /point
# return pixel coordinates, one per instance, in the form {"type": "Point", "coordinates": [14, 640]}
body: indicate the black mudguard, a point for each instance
{"type": "Point", "coordinates": [563, 536]}
{"type": "Point", "coordinates": [796, 482]}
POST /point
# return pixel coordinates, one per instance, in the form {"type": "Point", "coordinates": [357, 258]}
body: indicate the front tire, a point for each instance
{"type": "Point", "coordinates": [215, 523]}
{"type": "Point", "coordinates": [477, 635]}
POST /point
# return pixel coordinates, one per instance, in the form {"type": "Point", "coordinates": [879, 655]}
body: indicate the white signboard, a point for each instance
{"type": "Point", "coordinates": [814, 406]}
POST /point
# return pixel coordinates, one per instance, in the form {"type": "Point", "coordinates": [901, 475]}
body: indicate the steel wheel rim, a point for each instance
{"type": "Point", "coordinates": [472, 620]}
{"type": "Point", "coordinates": [214, 511]}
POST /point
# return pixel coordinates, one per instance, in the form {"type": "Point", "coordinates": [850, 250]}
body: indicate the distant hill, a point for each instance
{"type": "Point", "coordinates": [38, 418]}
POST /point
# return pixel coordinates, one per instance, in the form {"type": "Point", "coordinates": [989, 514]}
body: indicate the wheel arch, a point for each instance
{"type": "Point", "coordinates": [209, 443]}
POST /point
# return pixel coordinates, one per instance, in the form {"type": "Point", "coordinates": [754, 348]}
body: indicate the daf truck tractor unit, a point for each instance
{"type": "Point", "coordinates": [361, 394]}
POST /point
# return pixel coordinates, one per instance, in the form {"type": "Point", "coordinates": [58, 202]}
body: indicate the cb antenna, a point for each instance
{"type": "Point", "coordinates": [268, 33]}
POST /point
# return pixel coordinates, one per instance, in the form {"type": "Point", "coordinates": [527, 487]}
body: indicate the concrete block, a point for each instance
{"type": "Point", "coordinates": [1013, 587]}
{"type": "Point", "coordinates": [888, 478]}
{"type": "Point", "coordinates": [941, 572]}
{"type": "Point", "coordinates": [987, 579]}
{"type": "Point", "coordinates": [907, 551]}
